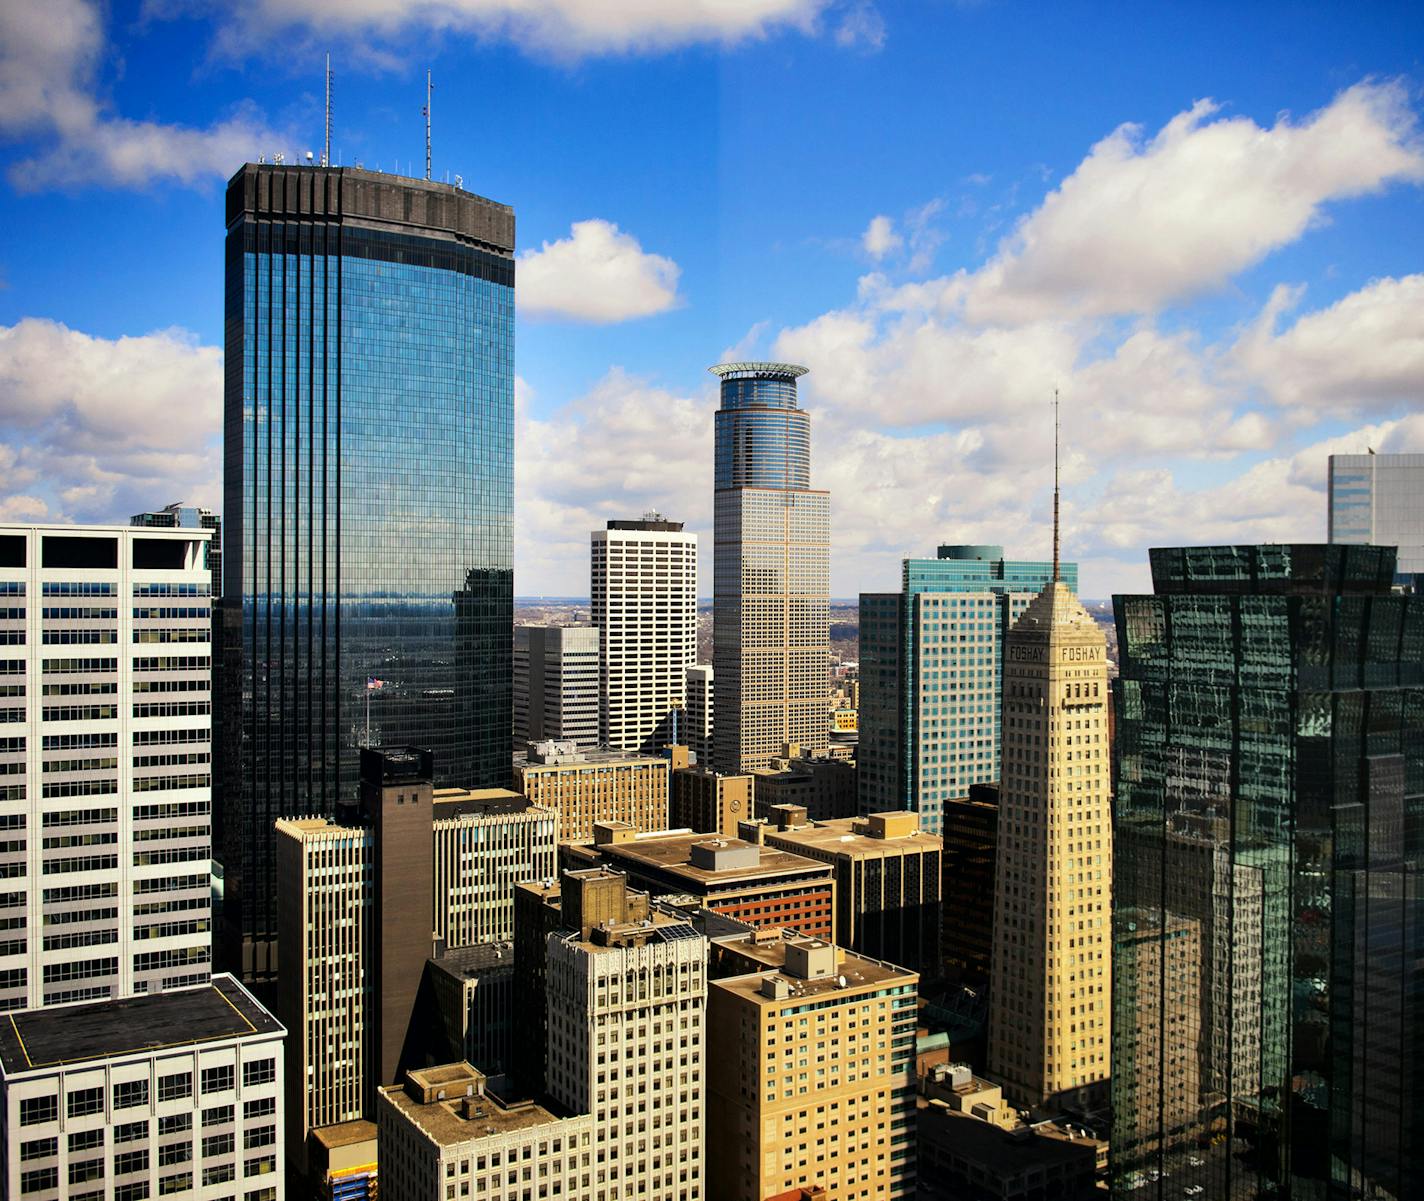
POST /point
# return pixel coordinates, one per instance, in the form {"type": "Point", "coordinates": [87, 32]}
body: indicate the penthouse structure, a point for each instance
{"type": "Point", "coordinates": [105, 762]}
{"type": "Point", "coordinates": [812, 1082]}
{"type": "Point", "coordinates": [584, 787]}
{"type": "Point", "coordinates": [888, 877]}
{"type": "Point", "coordinates": [166, 1094]}
{"type": "Point", "coordinates": [759, 885]}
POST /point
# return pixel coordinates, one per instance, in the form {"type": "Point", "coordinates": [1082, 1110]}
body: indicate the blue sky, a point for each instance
{"type": "Point", "coordinates": [1203, 223]}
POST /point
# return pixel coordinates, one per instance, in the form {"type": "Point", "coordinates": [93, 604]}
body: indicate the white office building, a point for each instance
{"type": "Point", "coordinates": [644, 594]}
{"type": "Point", "coordinates": [174, 1094]}
{"type": "Point", "coordinates": [105, 762]}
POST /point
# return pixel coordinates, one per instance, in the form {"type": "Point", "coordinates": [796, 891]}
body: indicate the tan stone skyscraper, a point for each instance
{"type": "Point", "coordinates": [1051, 977]}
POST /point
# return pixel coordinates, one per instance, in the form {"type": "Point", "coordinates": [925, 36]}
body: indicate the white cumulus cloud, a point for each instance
{"type": "Point", "coordinates": [598, 274]}
{"type": "Point", "coordinates": [880, 238]}
{"type": "Point", "coordinates": [104, 427]}
{"type": "Point", "coordinates": [561, 27]}
{"type": "Point", "coordinates": [1144, 222]}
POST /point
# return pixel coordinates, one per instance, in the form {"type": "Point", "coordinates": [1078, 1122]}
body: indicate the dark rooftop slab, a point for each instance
{"type": "Point", "coordinates": [39, 1038]}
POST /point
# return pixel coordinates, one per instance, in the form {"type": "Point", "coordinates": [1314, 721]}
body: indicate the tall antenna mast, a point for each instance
{"type": "Point", "coordinates": [326, 149]}
{"type": "Point", "coordinates": [1055, 484]}
{"type": "Point", "coordinates": [429, 87]}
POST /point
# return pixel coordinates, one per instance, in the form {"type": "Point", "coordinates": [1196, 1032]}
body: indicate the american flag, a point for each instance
{"type": "Point", "coordinates": [373, 684]}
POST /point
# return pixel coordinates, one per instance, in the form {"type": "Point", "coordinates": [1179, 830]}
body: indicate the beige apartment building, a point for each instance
{"type": "Point", "coordinates": [811, 1082]}
{"type": "Point", "coordinates": [1051, 992]}
{"type": "Point", "coordinates": [584, 787]}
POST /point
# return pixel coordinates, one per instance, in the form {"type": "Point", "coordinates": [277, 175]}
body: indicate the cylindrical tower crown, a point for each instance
{"type": "Point", "coordinates": [763, 439]}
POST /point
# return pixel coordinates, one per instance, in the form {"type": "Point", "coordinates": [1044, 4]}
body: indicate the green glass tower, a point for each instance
{"type": "Point", "coordinates": [1269, 790]}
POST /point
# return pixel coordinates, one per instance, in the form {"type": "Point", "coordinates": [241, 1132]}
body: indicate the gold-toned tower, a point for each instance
{"type": "Point", "coordinates": [1051, 976]}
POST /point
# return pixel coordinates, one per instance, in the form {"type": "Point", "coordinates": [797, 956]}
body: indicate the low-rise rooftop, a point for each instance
{"type": "Point", "coordinates": [765, 957]}
{"type": "Point", "coordinates": [46, 1038]}
{"type": "Point", "coordinates": [451, 1105]}
{"type": "Point", "coordinates": [478, 802]}
{"type": "Point", "coordinates": [674, 856]}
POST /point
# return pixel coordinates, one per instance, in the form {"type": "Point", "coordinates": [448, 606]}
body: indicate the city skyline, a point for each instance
{"type": "Point", "coordinates": [939, 281]}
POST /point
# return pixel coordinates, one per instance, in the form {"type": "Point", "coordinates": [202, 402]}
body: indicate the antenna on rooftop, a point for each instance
{"type": "Point", "coordinates": [326, 149]}
{"type": "Point", "coordinates": [429, 87]}
{"type": "Point", "coordinates": [1055, 485]}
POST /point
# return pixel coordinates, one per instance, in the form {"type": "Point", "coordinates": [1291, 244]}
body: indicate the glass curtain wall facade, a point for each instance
{"type": "Point", "coordinates": [1379, 499]}
{"type": "Point", "coordinates": [368, 498]}
{"type": "Point", "coordinates": [771, 573]}
{"type": "Point", "coordinates": [931, 676]}
{"type": "Point", "coordinates": [1266, 915]}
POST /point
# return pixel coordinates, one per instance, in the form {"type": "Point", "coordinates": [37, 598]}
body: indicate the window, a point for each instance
{"type": "Point", "coordinates": [39, 1180]}
{"type": "Point", "coordinates": [131, 1161]}
{"type": "Point", "coordinates": [220, 1174]}
{"type": "Point", "coordinates": [38, 1148]}
{"type": "Point", "coordinates": [217, 1115]}
{"type": "Point", "coordinates": [175, 1184]}
{"type": "Point", "coordinates": [130, 1132]}
{"type": "Point", "coordinates": [263, 1136]}
{"type": "Point", "coordinates": [175, 1087]}
{"type": "Point", "coordinates": [34, 1110]}
{"type": "Point", "coordinates": [259, 1108]}
{"type": "Point", "coordinates": [83, 1170]}
{"type": "Point", "coordinates": [137, 1191]}
{"type": "Point", "coordinates": [175, 1123]}
{"type": "Point", "coordinates": [217, 1144]}
{"type": "Point", "coordinates": [84, 1101]}
{"type": "Point", "coordinates": [259, 1071]}
{"type": "Point", "coordinates": [129, 1093]}
{"type": "Point", "coordinates": [217, 1080]}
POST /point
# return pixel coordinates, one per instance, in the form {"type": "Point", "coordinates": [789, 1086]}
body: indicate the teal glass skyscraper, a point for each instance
{"type": "Point", "coordinates": [931, 672]}
{"type": "Point", "coordinates": [368, 494]}
{"type": "Point", "coordinates": [1268, 994]}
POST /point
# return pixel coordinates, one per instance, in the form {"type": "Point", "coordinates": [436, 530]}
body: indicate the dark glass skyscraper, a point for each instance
{"type": "Point", "coordinates": [368, 499]}
{"type": "Point", "coordinates": [1268, 992]}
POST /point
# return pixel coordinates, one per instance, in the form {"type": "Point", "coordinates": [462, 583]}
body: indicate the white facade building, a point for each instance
{"type": "Point", "coordinates": [105, 762]}
{"type": "Point", "coordinates": [644, 601]}
{"type": "Point", "coordinates": [168, 1095]}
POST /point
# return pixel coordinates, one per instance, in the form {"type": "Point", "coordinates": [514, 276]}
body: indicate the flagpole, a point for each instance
{"type": "Point", "coordinates": [368, 712]}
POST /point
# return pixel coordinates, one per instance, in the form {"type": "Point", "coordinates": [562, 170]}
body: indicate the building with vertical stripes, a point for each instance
{"type": "Point", "coordinates": [105, 762]}
{"type": "Point", "coordinates": [324, 872]}
{"type": "Point", "coordinates": [643, 589]}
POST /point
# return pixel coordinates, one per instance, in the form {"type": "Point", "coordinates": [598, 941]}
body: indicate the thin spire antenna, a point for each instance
{"type": "Point", "coordinates": [429, 87]}
{"type": "Point", "coordinates": [326, 148]}
{"type": "Point", "coordinates": [1055, 484]}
